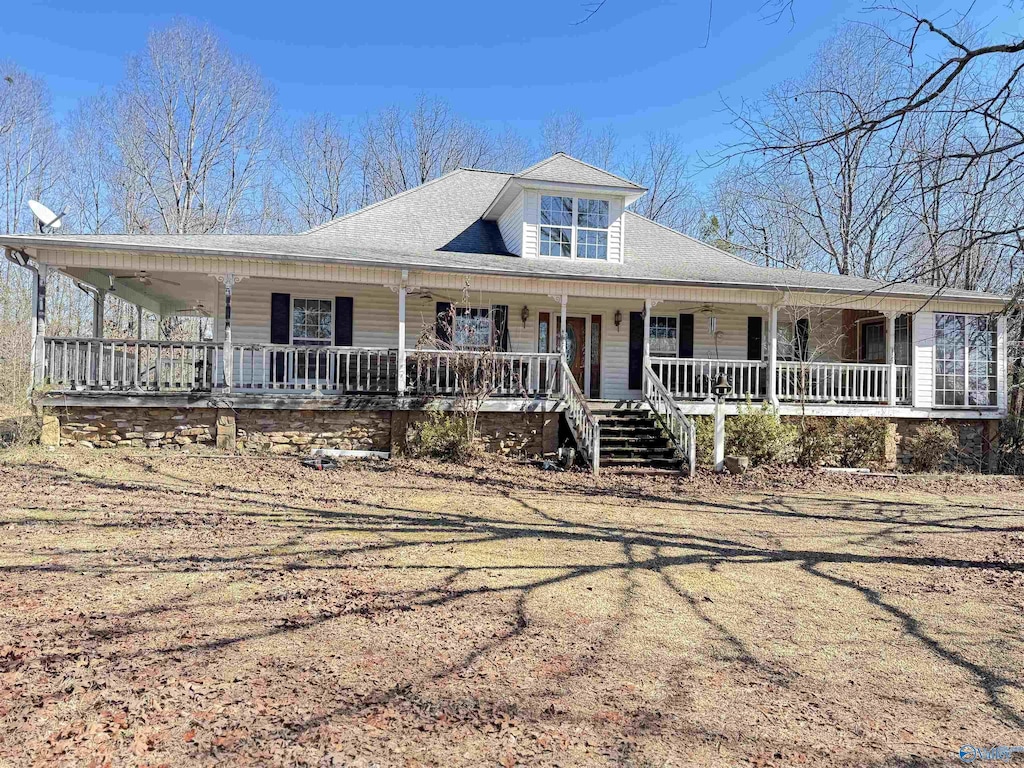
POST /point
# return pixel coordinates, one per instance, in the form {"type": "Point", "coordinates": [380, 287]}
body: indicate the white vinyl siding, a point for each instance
{"type": "Point", "coordinates": [924, 356]}
{"type": "Point", "coordinates": [511, 225]}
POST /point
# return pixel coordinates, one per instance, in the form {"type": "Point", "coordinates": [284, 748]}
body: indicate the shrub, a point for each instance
{"type": "Point", "coordinates": [441, 436]}
{"type": "Point", "coordinates": [930, 446]}
{"type": "Point", "coordinates": [760, 435]}
{"type": "Point", "coordinates": [704, 426]}
{"type": "Point", "coordinates": [817, 443]}
{"type": "Point", "coordinates": [1011, 445]}
{"type": "Point", "coordinates": [862, 441]}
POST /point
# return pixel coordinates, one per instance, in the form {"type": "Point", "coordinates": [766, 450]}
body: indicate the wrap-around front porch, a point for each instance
{"type": "Point", "coordinates": [307, 339]}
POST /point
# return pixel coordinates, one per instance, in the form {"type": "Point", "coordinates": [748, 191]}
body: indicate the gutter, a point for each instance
{"type": "Point", "coordinates": [42, 242]}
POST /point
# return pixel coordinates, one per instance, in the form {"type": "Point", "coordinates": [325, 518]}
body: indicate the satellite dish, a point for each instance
{"type": "Point", "coordinates": [45, 218]}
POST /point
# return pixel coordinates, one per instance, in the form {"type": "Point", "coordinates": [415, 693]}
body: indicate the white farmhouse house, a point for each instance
{"type": "Point", "coordinates": [340, 335]}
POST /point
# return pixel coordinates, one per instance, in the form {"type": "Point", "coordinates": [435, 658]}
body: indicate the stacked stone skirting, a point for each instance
{"type": "Point", "coordinates": [976, 450]}
{"type": "Point", "coordinates": [280, 431]}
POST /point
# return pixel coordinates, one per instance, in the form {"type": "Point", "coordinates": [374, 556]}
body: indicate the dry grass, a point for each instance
{"type": "Point", "coordinates": [164, 609]}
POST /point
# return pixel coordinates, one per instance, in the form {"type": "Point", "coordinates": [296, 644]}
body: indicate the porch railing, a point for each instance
{"type": "Point", "coordinates": [679, 427]}
{"type": "Point", "coordinates": [124, 365]}
{"type": "Point", "coordinates": [694, 378]}
{"type": "Point", "coordinates": [516, 374]}
{"type": "Point", "coordinates": [330, 370]}
{"type": "Point", "coordinates": [855, 383]}
{"type": "Point", "coordinates": [585, 427]}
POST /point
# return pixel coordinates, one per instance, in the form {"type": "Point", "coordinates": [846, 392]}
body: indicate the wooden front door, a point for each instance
{"type": "Point", "coordinates": [576, 346]}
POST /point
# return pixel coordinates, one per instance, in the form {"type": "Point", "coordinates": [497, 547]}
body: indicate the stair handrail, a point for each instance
{"type": "Point", "coordinates": [585, 427]}
{"type": "Point", "coordinates": [680, 427]}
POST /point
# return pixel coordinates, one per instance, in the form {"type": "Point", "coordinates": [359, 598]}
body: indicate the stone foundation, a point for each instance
{"type": "Point", "coordinates": [299, 432]}
{"type": "Point", "coordinates": [172, 428]}
{"type": "Point", "coordinates": [977, 451]}
{"type": "Point", "coordinates": [514, 434]}
{"type": "Point", "coordinates": [280, 432]}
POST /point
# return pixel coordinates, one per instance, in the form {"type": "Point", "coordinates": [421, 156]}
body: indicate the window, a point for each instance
{"type": "Point", "coordinates": [574, 227]}
{"type": "Point", "coordinates": [592, 235]}
{"type": "Point", "coordinates": [556, 226]}
{"type": "Point", "coordinates": [965, 360]}
{"type": "Point", "coordinates": [472, 328]}
{"type": "Point", "coordinates": [479, 327]}
{"type": "Point", "coordinates": [795, 340]}
{"type": "Point", "coordinates": [312, 322]}
{"type": "Point", "coordinates": [872, 342]}
{"type": "Point", "coordinates": [664, 337]}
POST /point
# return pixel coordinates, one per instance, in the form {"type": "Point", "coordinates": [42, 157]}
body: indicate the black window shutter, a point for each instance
{"type": "Point", "coordinates": [443, 329]}
{"type": "Point", "coordinates": [280, 329]}
{"type": "Point", "coordinates": [685, 332]}
{"type": "Point", "coordinates": [499, 318]}
{"type": "Point", "coordinates": [636, 349]}
{"type": "Point", "coordinates": [343, 321]}
{"type": "Point", "coordinates": [755, 338]}
{"type": "Point", "coordinates": [803, 337]}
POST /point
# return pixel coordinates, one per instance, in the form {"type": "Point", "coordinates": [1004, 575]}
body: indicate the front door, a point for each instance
{"type": "Point", "coordinates": [576, 346]}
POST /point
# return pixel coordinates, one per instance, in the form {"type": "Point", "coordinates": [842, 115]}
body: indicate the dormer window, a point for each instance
{"type": "Point", "coordinates": [573, 227]}
{"type": "Point", "coordinates": [592, 232]}
{"type": "Point", "coordinates": [555, 226]}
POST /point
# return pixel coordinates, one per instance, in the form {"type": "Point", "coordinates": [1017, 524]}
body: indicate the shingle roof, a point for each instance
{"type": "Point", "coordinates": [560, 167]}
{"type": "Point", "coordinates": [437, 226]}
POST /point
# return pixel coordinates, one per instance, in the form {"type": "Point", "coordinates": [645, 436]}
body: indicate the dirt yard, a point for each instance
{"type": "Point", "coordinates": [171, 610]}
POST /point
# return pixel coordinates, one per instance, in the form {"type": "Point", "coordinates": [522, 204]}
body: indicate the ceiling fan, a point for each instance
{"type": "Point", "coordinates": [198, 308]}
{"type": "Point", "coordinates": [145, 278]}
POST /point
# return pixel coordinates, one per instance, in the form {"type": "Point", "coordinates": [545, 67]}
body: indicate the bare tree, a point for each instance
{"type": "Point", "coordinates": [192, 125]}
{"type": "Point", "coordinates": [29, 150]}
{"type": "Point", "coordinates": [402, 150]}
{"type": "Point", "coordinates": [318, 161]}
{"type": "Point", "coordinates": [568, 132]}
{"type": "Point", "coordinates": [661, 166]}
{"type": "Point", "coordinates": [854, 184]}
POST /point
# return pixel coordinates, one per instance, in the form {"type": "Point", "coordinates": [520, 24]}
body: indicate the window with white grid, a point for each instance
{"type": "Point", "coordinates": [965, 360]}
{"type": "Point", "coordinates": [574, 227]}
{"type": "Point", "coordinates": [592, 229]}
{"type": "Point", "coordinates": [555, 226]}
{"type": "Point", "coordinates": [664, 336]}
{"type": "Point", "coordinates": [312, 322]}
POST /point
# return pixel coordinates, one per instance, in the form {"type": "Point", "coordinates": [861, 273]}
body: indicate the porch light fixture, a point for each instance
{"type": "Point", "coordinates": [618, 318]}
{"type": "Point", "coordinates": [524, 314]}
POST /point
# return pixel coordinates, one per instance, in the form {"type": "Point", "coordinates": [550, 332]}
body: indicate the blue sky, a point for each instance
{"type": "Point", "coordinates": [638, 65]}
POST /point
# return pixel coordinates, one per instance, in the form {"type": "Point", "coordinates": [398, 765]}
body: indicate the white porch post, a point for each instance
{"type": "Point", "coordinates": [401, 338]}
{"type": "Point", "coordinates": [98, 307]}
{"type": "Point", "coordinates": [773, 354]}
{"type": "Point", "coordinates": [719, 434]}
{"type": "Point", "coordinates": [890, 355]}
{"type": "Point", "coordinates": [38, 325]}
{"type": "Point", "coordinates": [648, 307]}
{"type": "Point", "coordinates": [229, 362]}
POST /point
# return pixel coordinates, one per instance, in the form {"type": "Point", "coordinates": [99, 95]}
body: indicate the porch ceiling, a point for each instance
{"type": "Point", "coordinates": [167, 293]}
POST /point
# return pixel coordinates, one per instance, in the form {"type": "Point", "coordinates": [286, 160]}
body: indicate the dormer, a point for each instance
{"type": "Point", "coordinates": [563, 208]}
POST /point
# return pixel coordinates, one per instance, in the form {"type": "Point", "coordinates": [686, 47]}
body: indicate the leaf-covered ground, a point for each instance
{"type": "Point", "coordinates": [172, 610]}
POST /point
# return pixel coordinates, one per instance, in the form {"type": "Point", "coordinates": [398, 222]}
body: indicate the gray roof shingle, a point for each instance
{"type": "Point", "coordinates": [560, 167]}
{"type": "Point", "coordinates": [437, 226]}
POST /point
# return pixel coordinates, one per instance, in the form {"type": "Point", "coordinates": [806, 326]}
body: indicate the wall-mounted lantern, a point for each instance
{"type": "Point", "coordinates": [618, 318]}
{"type": "Point", "coordinates": [524, 314]}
